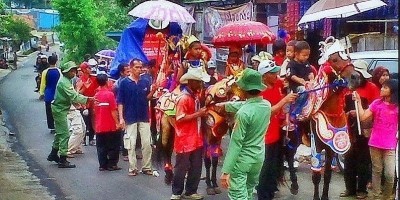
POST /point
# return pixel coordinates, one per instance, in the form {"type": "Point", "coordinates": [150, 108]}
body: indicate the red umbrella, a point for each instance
{"type": "Point", "coordinates": [242, 33]}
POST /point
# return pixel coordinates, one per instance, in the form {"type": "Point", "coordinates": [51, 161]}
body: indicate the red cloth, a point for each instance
{"type": "Point", "coordinates": [279, 60]}
{"type": "Point", "coordinates": [90, 91]}
{"type": "Point", "coordinates": [84, 66]}
{"type": "Point", "coordinates": [104, 106]}
{"type": "Point", "coordinates": [370, 91]}
{"type": "Point", "coordinates": [188, 135]}
{"type": "Point", "coordinates": [273, 95]}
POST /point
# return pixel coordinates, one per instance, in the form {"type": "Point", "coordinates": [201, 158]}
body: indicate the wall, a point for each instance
{"type": "Point", "coordinates": [46, 21]}
{"type": "Point", "coordinates": [375, 42]}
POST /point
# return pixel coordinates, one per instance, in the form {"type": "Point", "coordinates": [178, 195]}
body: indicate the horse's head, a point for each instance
{"type": "Point", "coordinates": [334, 53]}
{"type": "Point", "coordinates": [341, 63]}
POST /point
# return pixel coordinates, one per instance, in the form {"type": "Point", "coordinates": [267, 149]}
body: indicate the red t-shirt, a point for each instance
{"type": "Point", "coordinates": [90, 91]}
{"type": "Point", "coordinates": [104, 106]}
{"type": "Point", "coordinates": [279, 60]}
{"type": "Point", "coordinates": [188, 135]}
{"type": "Point", "coordinates": [273, 95]}
{"type": "Point", "coordinates": [370, 91]}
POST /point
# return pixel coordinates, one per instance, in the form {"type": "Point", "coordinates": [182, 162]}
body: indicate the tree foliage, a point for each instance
{"type": "Point", "coordinates": [14, 28]}
{"type": "Point", "coordinates": [30, 3]}
{"type": "Point", "coordinates": [116, 16]}
{"type": "Point", "coordinates": [80, 27]}
{"type": "Point", "coordinates": [83, 25]}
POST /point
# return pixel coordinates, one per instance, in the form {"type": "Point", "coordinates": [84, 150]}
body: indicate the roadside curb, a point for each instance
{"type": "Point", "coordinates": [5, 72]}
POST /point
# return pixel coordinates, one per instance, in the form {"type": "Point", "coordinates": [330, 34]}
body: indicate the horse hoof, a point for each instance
{"type": "Point", "coordinates": [324, 198]}
{"type": "Point", "coordinates": [168, 177]}
{"type": "Point", "coordinates": [211, 191]}
{"type": "Point", "coordinates": [217, 190]}
{"type": "Point", "coordinates": [294, 188]}
{"type": "Point", "coordinates": [294, 191]}
{"type": "Point", "coordinates": [316, 198]}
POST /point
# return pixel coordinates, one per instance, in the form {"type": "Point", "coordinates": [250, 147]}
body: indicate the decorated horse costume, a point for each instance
{"type": "Point", "coordinates": [324, 111]}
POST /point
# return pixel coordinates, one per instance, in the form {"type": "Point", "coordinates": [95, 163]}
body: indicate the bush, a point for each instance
{"type": "Point", "coordinates": [28, 52]}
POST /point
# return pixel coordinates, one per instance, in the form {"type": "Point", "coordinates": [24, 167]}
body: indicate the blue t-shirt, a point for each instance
{"type": "Point", "coordinates": [133, 96]}
{"type": "Point", "coordinates": [52, 77]}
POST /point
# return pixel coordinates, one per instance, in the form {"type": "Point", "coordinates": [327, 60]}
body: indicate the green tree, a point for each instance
{"type": "Point", "coordinates": [115, 15]}
{"type": "Point", "coordinates": [19, 31]}
{"type": "Point", "coordinates": [81, 27]}
{"type": "Point", "coordinates": [16, 29]}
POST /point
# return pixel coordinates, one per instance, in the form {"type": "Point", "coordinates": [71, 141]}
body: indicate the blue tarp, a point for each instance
{"type": "Point", "coordinates": [130, 45]}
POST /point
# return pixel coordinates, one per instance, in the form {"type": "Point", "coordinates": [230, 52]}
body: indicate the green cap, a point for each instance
{"type": "Point", "coordinates": [68, 66]}
{"type": "Point", "coordinates": [250, 79]}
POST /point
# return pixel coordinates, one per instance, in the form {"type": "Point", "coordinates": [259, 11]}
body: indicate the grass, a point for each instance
{"type": "Point", "coordinates": [28, 52]}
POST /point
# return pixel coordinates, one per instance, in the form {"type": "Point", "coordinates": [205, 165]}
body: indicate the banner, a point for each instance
{"type": "Point", "coordinates": [216, 18]}
{"type": "Point", "coordinates": [152, 46]}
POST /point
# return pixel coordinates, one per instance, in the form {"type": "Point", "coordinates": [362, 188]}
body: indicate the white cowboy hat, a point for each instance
{"type": "Point", "coordinates": [265, 55]}
{"type": "Point", "coordinates": [256, 58]}
{"type": "Point", "coordinates": [157, 24]}
{"type": "Point", "coordinates": [92, 62]}
{"type": "Point", "coordinates": [362, 67]}
{"type": "Point", "coordinates": [195, 74]}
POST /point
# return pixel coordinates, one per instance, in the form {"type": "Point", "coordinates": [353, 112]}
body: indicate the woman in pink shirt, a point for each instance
{"type": "Point", "coordinates": [383, 137]}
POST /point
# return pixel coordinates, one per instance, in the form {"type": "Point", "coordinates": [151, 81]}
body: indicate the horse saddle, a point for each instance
{"type": "Point", "coordinates": [336, 138]}
{"type": "Point", "coordinates": [167, 102]}
{"type": "Point", "coordinates": [318, 93]}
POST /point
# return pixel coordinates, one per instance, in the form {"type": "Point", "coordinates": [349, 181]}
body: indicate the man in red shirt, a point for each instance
{"type": "Point", "coordinates": [188, 144]}
{"type": "Point", "coordinates": [357, 159]}
{"type": "Point", "coordinates": [106, 121]}
{"type": "Point", "coordinates": [87, 86]}
{"type": "Point", "coordinates": [275, 95]}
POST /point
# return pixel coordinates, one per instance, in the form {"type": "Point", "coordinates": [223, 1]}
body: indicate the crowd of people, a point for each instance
{"type": "Point", "coordinates": [83, 101]}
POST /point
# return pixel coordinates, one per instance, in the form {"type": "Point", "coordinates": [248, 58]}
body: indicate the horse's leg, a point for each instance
{"type": "Point", "coordinates": [327, 173]}
{"type": "Point", "coordinates": [316, 179]}
{"type": "Point", "coordinates": [166, 148]}
{"type": "Point", "coordinates": [207, 165]}
{"type": "Point", "coordinates": [290, 152]}
{"type": "Point", "coordinates": [214, 162]}
{"type": "Point", "coordinates": [316, 148]}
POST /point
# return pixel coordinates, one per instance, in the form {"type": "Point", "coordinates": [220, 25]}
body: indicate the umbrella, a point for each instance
{"type": "Point", "coordinates": [242, 33]}
{"type": "Point", "coordinates": [162, 10]}
{"type": "Point", "coordinates": [338, 9]}
{"type": "Point", "coordinates": [107, 53]}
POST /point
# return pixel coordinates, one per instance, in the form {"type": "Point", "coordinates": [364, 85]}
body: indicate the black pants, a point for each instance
{"type": "Point", "coordinates": [89, 124]}
{"type": "Point", "coordinates": [289, 150]}
{"type": "Point", "coordinates": [107, 149]}
{"type": "Point", "coordinates": [49, 116]}
{"type": "Point", "coordinates": [356, 166]}
{"type": "Point", "coordinates": [190, 162]}
{"type": "Point", "coordinates": [268, 183]}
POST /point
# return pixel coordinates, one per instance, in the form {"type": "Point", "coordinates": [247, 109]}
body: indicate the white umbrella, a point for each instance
{"type": "Point", "coordinates": [338, 9]}
{"type": "Point", "coordinates": [162, 10]}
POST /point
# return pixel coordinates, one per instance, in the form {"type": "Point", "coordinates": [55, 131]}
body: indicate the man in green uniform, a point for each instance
{"type": "Point", "coordinates": [64, 97]}
{"type": "Point", "coordinates": [246, 150]}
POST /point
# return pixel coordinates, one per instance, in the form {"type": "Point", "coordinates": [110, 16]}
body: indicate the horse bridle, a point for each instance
{"type": "Point", "coordinates": [343, 69]}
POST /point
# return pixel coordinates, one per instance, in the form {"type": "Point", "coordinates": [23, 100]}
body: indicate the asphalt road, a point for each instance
{"type": "Point", "coordinates": [26, 117]}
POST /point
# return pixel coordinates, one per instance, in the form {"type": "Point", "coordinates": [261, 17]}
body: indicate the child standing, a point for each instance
{"type": "Point", "coordinates": [279, 51]}
{"type": "Point", "coordinates": [106, 125]}
{"type": "Point", "coordinates": [382, 142]}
